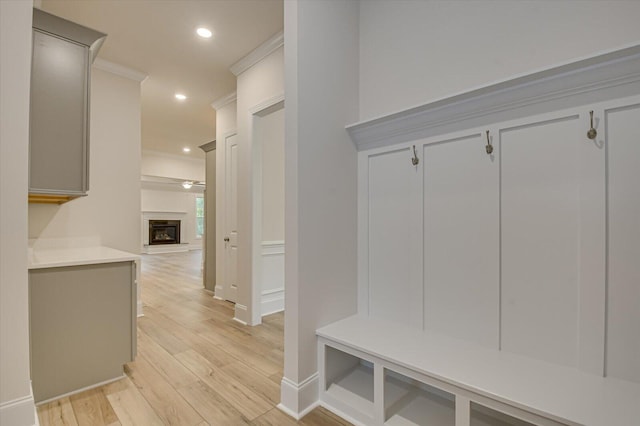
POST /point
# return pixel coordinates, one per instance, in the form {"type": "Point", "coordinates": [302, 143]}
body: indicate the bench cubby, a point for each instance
{"type": "Point", "coordinates": [410, 402]}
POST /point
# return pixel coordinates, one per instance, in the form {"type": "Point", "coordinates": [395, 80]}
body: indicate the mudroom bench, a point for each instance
{"type": "Point", "coordinates": [374, 372]}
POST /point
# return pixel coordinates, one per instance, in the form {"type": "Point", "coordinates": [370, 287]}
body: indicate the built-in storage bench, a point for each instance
{"type": "Point", "coordinates": [498, 245]}
{"type": "Point", "coordinates": [375, 372]}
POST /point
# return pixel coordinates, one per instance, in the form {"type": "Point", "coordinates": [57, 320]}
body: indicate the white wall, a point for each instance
{"type": "Point", "coordinates": [412, 52]}
{"type": "Point", "coordinates": [226, 124]}
{"type": "Point", "coordinates": [111, 211]}
{"type": "Point", "coordinates": [320, 184]}
{"type": "Point", "coordinates": [270, 135]}
{"type": "Point", "coordinates": [259, 84]}
{"type": "Point", "coordinates": [16, 400]}
{"type": "Point", "coordinates": [178, 200]}
{"type": "Point", "coordinates": [156, 163]}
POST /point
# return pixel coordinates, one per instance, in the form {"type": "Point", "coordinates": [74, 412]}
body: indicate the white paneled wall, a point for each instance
{"type": "Point", "coordinates": [623, 308]}
{"type": "Point", "coordinates": [540, 217]}
{"type": "Point", "coordinates": [461, 224]}
{"type": "Point", "coordinates": [508, 250]}
{"type": "Point", "coordinates": [395, 291]}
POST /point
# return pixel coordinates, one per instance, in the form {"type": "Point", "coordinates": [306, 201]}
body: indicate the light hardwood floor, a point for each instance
{"type": "Point", "coordinates": [195, 365]}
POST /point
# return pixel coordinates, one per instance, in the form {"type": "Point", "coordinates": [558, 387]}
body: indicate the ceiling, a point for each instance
{"type": "Point", "coordinates": [158, 38]}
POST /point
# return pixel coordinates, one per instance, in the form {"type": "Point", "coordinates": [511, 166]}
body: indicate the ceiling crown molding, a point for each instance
{"type": "Point", "coordinates": [121, 70]}
{"type": "Point", "coordinates": [225, 100]}
{"type": "Point", "coordinates": [258, 54]}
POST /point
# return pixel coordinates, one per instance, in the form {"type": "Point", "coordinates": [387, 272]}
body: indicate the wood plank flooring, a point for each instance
{"type": "Point", "coordinates": [195, 365]}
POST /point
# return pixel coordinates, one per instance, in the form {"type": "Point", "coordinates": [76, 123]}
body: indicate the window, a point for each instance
{"type": "Point", "coordinates": [199, 217]}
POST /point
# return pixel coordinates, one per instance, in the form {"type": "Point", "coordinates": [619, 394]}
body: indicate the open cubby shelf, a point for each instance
{"type": "Point", "coordinates": [409, 402]}
{"type": "Point", "coordinates": [376, 373]}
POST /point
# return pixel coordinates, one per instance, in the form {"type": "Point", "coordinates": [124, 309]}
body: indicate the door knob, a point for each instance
{"type": "Point", "coordinates": [226, 239]}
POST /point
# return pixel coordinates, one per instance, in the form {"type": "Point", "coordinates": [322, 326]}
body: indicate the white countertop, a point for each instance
{"type": "Point", "coordinates": [74, 256]}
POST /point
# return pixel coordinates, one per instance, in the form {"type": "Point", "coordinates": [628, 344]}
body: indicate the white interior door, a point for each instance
{"type": "Point", "coordinates": [231, 219]}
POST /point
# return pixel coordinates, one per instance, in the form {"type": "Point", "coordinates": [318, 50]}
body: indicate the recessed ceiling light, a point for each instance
{"type": "Point", "coordinates": [186, 149]}
{"type": "Point", "coordinates": [204, 33]}
{"type": "Point", "coordinates": [180, 97]}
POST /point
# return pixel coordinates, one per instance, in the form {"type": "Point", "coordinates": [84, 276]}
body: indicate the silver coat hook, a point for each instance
{"type": "Point", "coordinates": [489, 147]}
{"type": "Point", "coordinates": [592, 133]}
{"type": "Point", "coordinates": [415, 160]}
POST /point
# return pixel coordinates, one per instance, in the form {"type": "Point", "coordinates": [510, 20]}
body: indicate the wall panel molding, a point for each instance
{"type": "Point", "coordinates": [272, 294]}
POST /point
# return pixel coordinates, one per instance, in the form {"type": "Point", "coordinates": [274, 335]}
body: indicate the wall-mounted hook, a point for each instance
{"type": "Point", "coordinates": [415, 160]}
{"type": "Point", "coordinates": [489, 147]}
{"type": "Point", "coordinates": [592, 133]}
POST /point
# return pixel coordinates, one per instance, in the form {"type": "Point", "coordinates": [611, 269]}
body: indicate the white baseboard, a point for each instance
{"type": "Point", "coordinates": [272, 301]}
{"type": "Point", "coordinates": [218, 292]}
{"type": "Point", "coordinates": [241, 314]}
{"type": "Point", "coordinates": [298, 399]}
{"type": "Point", "coordinates": [19, 411]}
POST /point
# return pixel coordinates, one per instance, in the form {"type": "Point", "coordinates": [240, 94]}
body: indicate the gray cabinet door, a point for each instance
{"type": "Point", "coordinates": [82, 326]}
{"type": "Point", "coordinates": [59, 114]}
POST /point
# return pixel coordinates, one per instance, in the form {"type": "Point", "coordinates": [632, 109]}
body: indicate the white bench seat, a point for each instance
{"type": "Point", "coordinates": [561, 394]}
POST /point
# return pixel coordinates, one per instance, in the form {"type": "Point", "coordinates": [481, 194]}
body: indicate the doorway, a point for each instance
{"type": "Point", "coordinates": [268, 241]}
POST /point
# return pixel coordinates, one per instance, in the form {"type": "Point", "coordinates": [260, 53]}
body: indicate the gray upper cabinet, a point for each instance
{"type": "Point", "coordinates": [60, 85]}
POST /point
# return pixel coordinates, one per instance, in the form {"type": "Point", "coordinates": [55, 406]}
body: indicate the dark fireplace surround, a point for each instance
{"type": "Point", "coordinates": [164, 232]}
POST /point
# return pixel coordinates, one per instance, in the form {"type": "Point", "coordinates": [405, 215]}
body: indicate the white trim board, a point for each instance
{"type": "Point", "coordinates": [611, 75]}
{"type": "Point", "coordinates": [218, 292]}
{"type": "Point", "coordinates": [258, 54]}
{"type": "Point", "coordinates": [241, 314]}
{"type": "Point", "coordinates": [268, 106]}
{"type": "Point", "coordinates": [299, 399]}
{"type": "Point", "coordinates": [19, 411]}
{"type": "Point", "coordinates": [224, 101]}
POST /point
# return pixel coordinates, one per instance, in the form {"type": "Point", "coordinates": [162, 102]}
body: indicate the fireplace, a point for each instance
{"type": "Point", "coordinates": [164, 232]}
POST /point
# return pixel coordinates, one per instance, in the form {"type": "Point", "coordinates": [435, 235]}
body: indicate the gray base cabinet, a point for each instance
{"type": "Point", "coordinates": [82, 326]}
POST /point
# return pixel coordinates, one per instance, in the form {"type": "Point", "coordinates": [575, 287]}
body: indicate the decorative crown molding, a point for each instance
{"type": "Point", "coordinates": [121, 70]}
{"type": "Point", "coordinates": [225, 100]}
{"type": "Point", "coordinates": [258, 54]}
{"type": "Point", "coordinates": [601, 77]}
